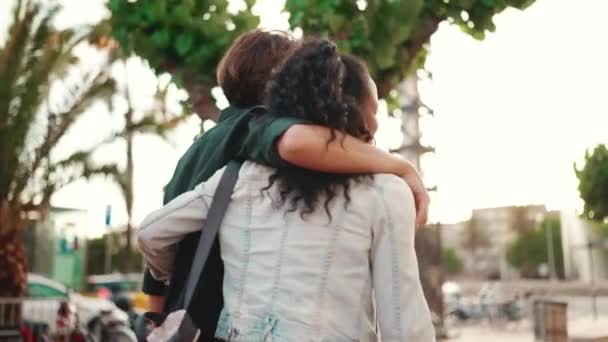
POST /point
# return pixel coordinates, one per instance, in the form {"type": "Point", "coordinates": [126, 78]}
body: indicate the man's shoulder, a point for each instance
{"type": "Point", "coordinates": [218, 131]}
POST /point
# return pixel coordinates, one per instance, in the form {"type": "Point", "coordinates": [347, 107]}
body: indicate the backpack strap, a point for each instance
{"type": "Point", "coordinates": [221, 199]}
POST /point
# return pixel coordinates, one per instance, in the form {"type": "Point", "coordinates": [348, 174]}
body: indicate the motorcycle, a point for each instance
{"type": "Point", "coordinates": [107, 327]}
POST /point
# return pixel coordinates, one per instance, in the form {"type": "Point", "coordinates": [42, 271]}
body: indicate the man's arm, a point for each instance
{"type": "Point", "coordinates": [156, 303]}
{"type": "Point", "coordinates": [307, 146]}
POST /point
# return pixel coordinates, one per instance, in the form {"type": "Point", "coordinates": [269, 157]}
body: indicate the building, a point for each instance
{"type": "Point", "coordinates": [481, 242]}
{"type": "Point", "coordinates": [55, 245]}
{"type": "Point", "coordinates": [582, 261]}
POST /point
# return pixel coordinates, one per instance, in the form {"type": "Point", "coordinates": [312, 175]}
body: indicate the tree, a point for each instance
{"type": "Point", "coordinates": [155, 120]}
{"type": "Point", "coordinates": [593, 184]}
{"type": "Point", "coordinates": [451, 261]}
{"type": "Point", "coordinates": [39, 103]}
{"type": "Point", "coordinates": [393, 36]}
{"type": "Point", "coordinates": [529, 250]}
{"type": "Point", "coordinates": [187, 38]}
{"type": "Point", "coordinates": [44, 90]}
{"type": "Point", "coordinates": [183, 37]}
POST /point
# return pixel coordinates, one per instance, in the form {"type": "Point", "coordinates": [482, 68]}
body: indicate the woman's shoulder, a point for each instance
{"type": "Point", "coordinates": [392, 188]}
{"type": "Point", "coordinates": [249, 171]}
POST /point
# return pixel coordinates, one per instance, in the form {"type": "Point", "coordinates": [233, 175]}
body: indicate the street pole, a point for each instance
{"type": "Point", "coordinates": [550, 252]}
{"type": "Point", "coordinates": [108, 242]}
{"type": "Point", "coordinates": [592, 274]}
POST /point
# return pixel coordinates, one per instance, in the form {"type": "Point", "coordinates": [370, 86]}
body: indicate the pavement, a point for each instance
{"type": "Point", "coordinates": [535, 287]}
{"type": "Point", "coordinates": [582, 324]}
{"type": "Point", "coordinates": [484, 333]}
{"type": "Point", "coordinates": [582, 329]}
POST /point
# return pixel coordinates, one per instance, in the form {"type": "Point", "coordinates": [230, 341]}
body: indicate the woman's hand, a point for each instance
{"type": "Point", "coordinates": [421, 195]}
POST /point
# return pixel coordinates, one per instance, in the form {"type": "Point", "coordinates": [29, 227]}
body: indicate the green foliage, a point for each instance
{"type": "Point", "coordinates": [451, 261]}
{"type": "Point", "coordinates": [188, 37]}
{"type": "Point", "coordinates": [38, 104]}
{"type": "Point", "coordinates": [179, 34]}
{"type": "Point", "coordinates": [392, 36]}
{"type": "Point", "coordinates": [530, 250]}
{"type": "Point", "coordinates": [593, 184]}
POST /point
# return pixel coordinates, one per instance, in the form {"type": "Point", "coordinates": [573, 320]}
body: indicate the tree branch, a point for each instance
{"type": "Point", "coordinates": [387, 79]}
{"type": "Point", "coordinates": [99, 89]}
{"type": "Point", "coordinates": [199, 92]}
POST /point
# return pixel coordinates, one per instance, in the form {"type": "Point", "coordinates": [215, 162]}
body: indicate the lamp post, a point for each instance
{"type": "Point", "coordinates": [108, 253]}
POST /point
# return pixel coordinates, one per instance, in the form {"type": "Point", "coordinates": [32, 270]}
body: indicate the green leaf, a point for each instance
{"type": "Point", "coordinates": [115, 5]}
{"type": "Point", "coordinates": [335, 21]}
{"type": "Point", "coordinates": [296, 18]}
{"type": "Point", "coordinates": [181, 13]}
{"type": "Point", "coordinates": [468, 4]}
{"type": "Point", "coordinates": [183, 44]}
{"type": "Point", "coordinates": [161, 38]}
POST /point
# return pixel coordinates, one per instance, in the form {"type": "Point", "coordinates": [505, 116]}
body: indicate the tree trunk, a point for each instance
{"type": "Point", "coordinates": [13, 265]}
{"type": "Point", "coordinates": [199, 91]}
{"type": "Point", "coordinates": [129, 201]}
{"type": "Point", "coordinates": [387, 80]}
{"type": "Point", "coordinates": [128, 181]}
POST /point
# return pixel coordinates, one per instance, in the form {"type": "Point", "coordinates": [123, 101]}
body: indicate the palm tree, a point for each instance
{"type": "Point", "coordinates": [44, 90]}
{"type": "Point", "coordinates": [153, 120]}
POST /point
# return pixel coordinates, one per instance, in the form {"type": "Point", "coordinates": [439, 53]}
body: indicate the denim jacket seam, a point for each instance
{"type": "Point", "coordinates": [148, 224]}
{"type": "Point", "coordinates": [278, 268]}
{"type": "Point", "coordinates": [247, 234]}
{"type": "Point", "coordinates": [326, 264]}
{"type": "Point", "coordinates": [396, 293]}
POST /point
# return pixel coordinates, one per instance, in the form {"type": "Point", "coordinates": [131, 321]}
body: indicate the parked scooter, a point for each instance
{"type": "Point", "coordinates": [126, 305]}
{"type": "Point", "coordinates": [106, 327]}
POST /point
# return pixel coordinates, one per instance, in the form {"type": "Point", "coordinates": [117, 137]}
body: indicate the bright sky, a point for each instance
{"type": "Point", "coordinates": [513, 113]}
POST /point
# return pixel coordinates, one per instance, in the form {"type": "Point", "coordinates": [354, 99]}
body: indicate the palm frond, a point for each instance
{"type": "Point", "coordinates": [71, 169]}
{"type": "Point", "coordinates": [151, 125]}
{"type": "Point", "coordinates": [10, 62]}
{"type": "Point", "coordinates": [101, 89]}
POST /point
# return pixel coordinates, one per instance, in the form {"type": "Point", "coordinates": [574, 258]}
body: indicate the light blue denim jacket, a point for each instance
{"type": "Point", "coordinates": [289, 278]}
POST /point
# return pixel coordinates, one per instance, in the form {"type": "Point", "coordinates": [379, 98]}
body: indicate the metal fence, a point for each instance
{"type": "Point", "coordinates": [11, 319]}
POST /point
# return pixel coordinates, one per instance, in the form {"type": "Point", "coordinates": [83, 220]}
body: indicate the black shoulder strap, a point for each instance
{"type": "Point", "coordinates": [215, 216]}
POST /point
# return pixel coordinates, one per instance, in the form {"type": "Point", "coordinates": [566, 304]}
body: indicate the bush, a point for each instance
{"type": "Point", "coordinates": [451, 261]}
{"type": "Point", "coordinates": [529, 250]}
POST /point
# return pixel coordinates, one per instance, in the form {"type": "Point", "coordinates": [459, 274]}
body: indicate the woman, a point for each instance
{"type": "Point", "coordinates": [302, 250]}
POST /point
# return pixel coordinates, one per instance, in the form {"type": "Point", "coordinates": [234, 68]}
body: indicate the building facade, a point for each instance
{"type": "Point", "coordinates": [56, 245]}
{"type": "Point", "coordinates": [481, 242]}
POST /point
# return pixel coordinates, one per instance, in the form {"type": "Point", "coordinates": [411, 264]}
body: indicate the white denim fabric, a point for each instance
{"type": "Point", "coordinates": [289, 278]}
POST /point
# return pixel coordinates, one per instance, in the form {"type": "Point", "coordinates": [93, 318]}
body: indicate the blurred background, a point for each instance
{"type": "Point", "coordinates": [500, 103]}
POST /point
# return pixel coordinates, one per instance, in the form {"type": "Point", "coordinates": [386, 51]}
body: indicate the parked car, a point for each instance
{"type": "Point", "coordinates": [46, 295]}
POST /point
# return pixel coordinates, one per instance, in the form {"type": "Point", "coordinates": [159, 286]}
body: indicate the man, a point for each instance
{"type": "Point", "coordinates": [245, 131]}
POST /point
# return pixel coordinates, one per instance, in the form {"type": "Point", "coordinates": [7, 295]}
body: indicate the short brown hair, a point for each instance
{"type": "Point", "coordinates": [247, 65]}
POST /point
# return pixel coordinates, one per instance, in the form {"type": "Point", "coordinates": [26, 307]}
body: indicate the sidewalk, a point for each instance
{"type": "Point", "coordinates": [582, 328]}
{"type": "Point", "coordinates": [536, 287]}
{"type": "Point", "coordinates": [478, 334]}
{"type": "Point", "coordinates": [588, 328]}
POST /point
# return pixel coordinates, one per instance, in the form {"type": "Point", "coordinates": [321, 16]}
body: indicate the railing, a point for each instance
{"type": "Point", "coordinates": [10, 319]}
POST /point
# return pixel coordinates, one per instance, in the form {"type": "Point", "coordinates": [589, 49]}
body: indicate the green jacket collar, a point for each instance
{"type": "Point", "coordinates": [229, 112]}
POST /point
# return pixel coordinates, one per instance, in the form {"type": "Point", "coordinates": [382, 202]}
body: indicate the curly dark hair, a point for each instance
{"type": "Point", "coordinates": [327, 88]}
